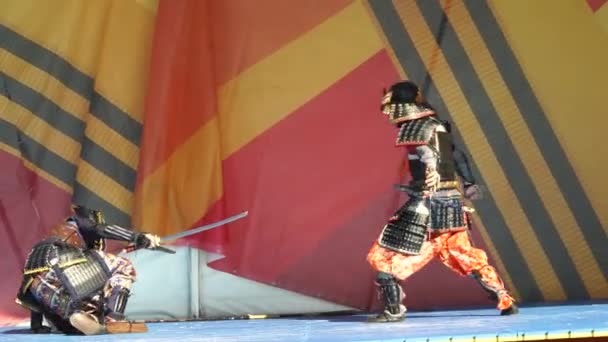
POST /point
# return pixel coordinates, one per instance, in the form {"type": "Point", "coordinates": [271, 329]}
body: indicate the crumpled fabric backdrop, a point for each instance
{"type": "Point", "coordinates": [174, 114]}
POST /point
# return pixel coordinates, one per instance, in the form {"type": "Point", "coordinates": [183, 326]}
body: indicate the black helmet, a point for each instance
{"type": "Point", "coordinates": [83, 212]}
{"type": "Point", "coordinates": [404, 92]}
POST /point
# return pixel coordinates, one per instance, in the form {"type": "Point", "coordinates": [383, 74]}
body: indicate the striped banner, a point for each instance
{"type": "Point", "coordinates": [72, 87]}
{"type": "Point", "coordinates": [168, 116]}
{"type": "Point", "coordinates": [284, 123]}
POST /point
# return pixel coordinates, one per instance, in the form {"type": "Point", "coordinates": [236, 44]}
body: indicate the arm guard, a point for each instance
{"type": "Point", "coordinates": [113, 232]}
{"type": "Point", "coordinates": [427, 156]}
{"type": "Point", "coordinates": [463, 168]}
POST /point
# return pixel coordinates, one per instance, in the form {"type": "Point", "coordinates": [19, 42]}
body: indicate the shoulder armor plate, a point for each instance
{"type": "Point", "coordinates": [417, 132]}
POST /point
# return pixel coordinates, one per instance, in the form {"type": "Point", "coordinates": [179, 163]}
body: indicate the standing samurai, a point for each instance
{"type": "Point", "coordinates": [434, 221]}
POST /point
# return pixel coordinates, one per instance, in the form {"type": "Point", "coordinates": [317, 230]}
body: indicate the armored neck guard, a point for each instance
{"type": "Point", "coordinates": [402, 112]}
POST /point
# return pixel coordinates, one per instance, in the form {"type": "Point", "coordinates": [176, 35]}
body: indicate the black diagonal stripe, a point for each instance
{"type": "Point", "coordinates": [42, 107]}
{"type": "Point", "coordinates": [8, 134]}
{"type": "Point", "coordinates": [37, 154]}
{"type": "Point", "coordinates": [72, 78]}
{"type": "Point", "coordinates": [107, 163]}
{"type": "Point", "coordinates": [539, 125]}
{"type": "Point", "coordinates": [84, 196]}
{"type": "Point", "coordinates": [411, 61]}
{"type": "Point", "coordinates": [59, 168]}
{"type": "Point", "coordinates": [501, 144]}
{"type": "Point", "coordinates": [70, 126]}
{"type": "Point", "coordinates": [107, 112]}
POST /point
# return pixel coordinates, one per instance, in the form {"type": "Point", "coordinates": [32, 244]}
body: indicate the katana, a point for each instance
{"type": "Point", "coordinates": [204, 228]}
{"type": "Point", "coordinates": [190, 232]}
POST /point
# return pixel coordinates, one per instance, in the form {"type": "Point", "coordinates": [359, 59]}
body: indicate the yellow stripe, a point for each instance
{"type": "Point", "coordinates": [72, 103]}
{"type": "Point", "coordinates": [475, 139]}
{"type": "Point", "coordinates": [40, 172]}
{"type": "Point", "coordinates": [67, 148]}
{"type": "Point", "coordinates": [568, 77]}
{"type": "Point", "coordinates": [44, 84]}
{"type": "Point", "coordinates": [112, 43]}
{"type": "Point", "coordinates": [51, 24]}
{"type": "Point", "coordinates": [150, 5]}
{"type": "Point", "coordinates": [104, 186]}
{"type": "Point", "coordinates": [177, 193]}
{"type": "Point", "coordinates": [528, 151]}
{"type": "Point", "coordinates": [249, 105]}
{"type": "Point", "coordinates": [276, 86]}
{"type": "Point", "coordinates": [112, 142]}
{"type": "Point", "coordinates": [124, 56]}
{"type": "Point", "coordinates": [39, 130]}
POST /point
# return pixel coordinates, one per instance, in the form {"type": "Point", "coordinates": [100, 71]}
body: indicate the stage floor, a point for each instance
{"type": "Point", "coordinates": [532, 323]}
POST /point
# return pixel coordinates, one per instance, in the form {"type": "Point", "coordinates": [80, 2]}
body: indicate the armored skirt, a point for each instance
{"type": "Point", "coordinates": [63, 279]}
{"type": "Point", "coordinates": [427, 228]}
{"type": "Point", "coordinates": [420, 216]}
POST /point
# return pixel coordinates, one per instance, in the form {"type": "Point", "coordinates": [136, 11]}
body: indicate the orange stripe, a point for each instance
{"type": "Point", "coordinates": [244, 32]}
{"type": "Point", "coordinates": [275, 87]}
{"type": "Point", "coordinates": [181, 90]}
{"type": "Point", "coordinates": [121, 77]}
{"type": "Point", "coordinates": [243, 116]}
{"type": "Point", "coordinates": [175, 194]}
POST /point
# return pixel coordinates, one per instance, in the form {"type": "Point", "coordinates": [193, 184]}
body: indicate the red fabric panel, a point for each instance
{"type": "Point", "coordinates": [198, 46]}
{"type": "Point", "coordinates": [596, 4]}
{"type": "Point", "coordinates": [245, 32]}
{"type": "Point", "coordinates": [308, 175]}
{"type": "Point", "coordinates": [29, 205]}
{"type": "Point", "coordinates": [181, 88]}
{"type": "Point", "coordinates": [319, 189]}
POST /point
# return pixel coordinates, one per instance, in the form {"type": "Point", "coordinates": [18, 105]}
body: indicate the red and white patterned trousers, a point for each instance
{"type": "Point", "coordinates": [454, 249]}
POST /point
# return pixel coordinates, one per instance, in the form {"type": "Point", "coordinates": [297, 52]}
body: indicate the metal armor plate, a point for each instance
{"type": "Point", "coordinates": [407, 232]}
{"type": "Point", "coordinates": [447, 214]}
{"type": "Point", "coordinates": [41, 255]}
{"type": "Point", "coordinates": [417, 132]}
{"type": "Point", "coordinates": [84, 279]}
{"type": "Point", "coordinates": [446, 166]}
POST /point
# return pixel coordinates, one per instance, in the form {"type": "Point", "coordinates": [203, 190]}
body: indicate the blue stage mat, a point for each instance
{"type": "Point", "coordinates": [533, 323]}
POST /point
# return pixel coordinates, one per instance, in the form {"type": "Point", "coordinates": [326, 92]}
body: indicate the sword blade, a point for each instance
{"type": "Point", "coordinates": [204, 228]}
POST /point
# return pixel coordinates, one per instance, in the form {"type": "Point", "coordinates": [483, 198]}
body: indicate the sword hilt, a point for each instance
{"type": "Point", "coordinates": [164, 249]}
{"type": "Point", "coordinates": [132, 248]}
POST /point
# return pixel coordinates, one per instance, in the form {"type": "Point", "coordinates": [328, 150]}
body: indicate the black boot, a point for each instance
{"type": "Point", "coordinates": [494, 294]}
{"type": "Point", "coordinates": [117, 303]}
{"type": "Point", "coordinates": [392, 295]}
{"type": "Point", "coordinates": [511, 310]}
{"type": "Point", "coordinates": [36, 325]}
